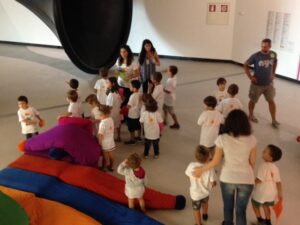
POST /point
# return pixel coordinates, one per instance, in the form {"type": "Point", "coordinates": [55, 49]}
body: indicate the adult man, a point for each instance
{"type": "Point", "coordinates": [265, 63]}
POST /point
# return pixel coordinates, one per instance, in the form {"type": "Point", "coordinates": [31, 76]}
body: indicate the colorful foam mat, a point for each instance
{"type": "Point", "coordinates": [96, 181]}
{"type": "Point", "coordinates": [11, 213]}
{"type": "Point", "coordinates": [46, 212]}
{"type": "Point", "coordinates": [99, 208]}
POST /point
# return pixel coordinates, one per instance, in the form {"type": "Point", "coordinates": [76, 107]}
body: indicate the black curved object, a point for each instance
{"type": "Point", "coordinates": [90, 31]}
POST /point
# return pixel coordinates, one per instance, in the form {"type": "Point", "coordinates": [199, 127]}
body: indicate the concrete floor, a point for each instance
{"type": "Point", "coordinates": [40, 75]}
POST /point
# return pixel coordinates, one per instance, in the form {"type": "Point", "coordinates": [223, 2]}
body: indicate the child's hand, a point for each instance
{"type": "Point", "coordinates": [41, 123]}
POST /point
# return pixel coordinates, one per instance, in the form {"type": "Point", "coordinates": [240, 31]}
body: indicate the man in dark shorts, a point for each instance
{"type": "Point", "coordinates": [265, 63]}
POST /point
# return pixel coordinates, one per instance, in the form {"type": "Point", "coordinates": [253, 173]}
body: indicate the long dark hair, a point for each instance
{"type": "Point", "coordinates": [115, 86]}
{"type": "Point", "coordinates": [142, 55]}
{"type": "Point", "coordinates": [237, 124]}
{"type": "Point", "coordinates": [129, 57]}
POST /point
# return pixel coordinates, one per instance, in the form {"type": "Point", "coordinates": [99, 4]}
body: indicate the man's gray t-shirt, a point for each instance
{"type": "Point", "coordinates": [263, 66]}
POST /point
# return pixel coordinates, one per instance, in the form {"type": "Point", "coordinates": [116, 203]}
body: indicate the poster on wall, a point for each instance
{"type": "Point", "coordinates": [278, 27]}
{"type": "Point", "coordinates": [218, 13]}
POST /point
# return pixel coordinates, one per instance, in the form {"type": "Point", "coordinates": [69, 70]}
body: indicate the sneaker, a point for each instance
{"type": "Point", "coordinates": [130, 142]}
{"type": "Point", "coordinates": [175, 126]}
{"type": "Point", "coordinates": [156, 157]}
{"type": "Point", "coordinates": [205, 217]}
{"type": "Point", "coordinates": [138, 139]}
{"type": "Point", "coordinates": [146, 157]}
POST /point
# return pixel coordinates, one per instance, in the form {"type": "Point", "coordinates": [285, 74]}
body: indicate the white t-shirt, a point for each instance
{"type": "Point", "coordinates": [236, 168]}
{"type": "Point", "coordinates": [135, 106]}
{"type": "Point", "coordinates": [128, 70]}
{"type": "Point", "coordinates": [151, 122]}
{"type": "Point", "coordinates": [209, 121]}
{"type": "Point", "coordinates": [200, 187]}
{"type": "Point", "coordinates": [101, 87]}
{"type": "Point", "coordinates": [229, 104]}
{"type": "Point", "coordinates": [159, 95]}
{"type": "Point", "coordinates": [220, 95]}
{"type": "Point", "coordinates": [95, 114]}
{"type": "Point", "coordinates": [266, 191]}
{"type": "Point", "coordinates": [30, 115]}
{"type": "Point", "coordinates": [114, 100]}
{"type": "Point", "coordinates": [134, 185]}
{"type": "Point", "coordinates": [171, 86]}
{"type": "Point", "coordinates": [74, 109]}
{"type": "Point", "coordinates": [106, 128]}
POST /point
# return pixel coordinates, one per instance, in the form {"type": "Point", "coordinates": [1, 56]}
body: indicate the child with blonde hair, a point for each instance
{"type": "Point", "coordinates": [135, 177]}
{"type": "Point", "coordinates": [200, 186]}
{"type": "Point", "coordinates": [106, 137]}
{"type": "Point", "coordinates": [95, 112]}
{"type": "Point", "coordinates": [101, 86]}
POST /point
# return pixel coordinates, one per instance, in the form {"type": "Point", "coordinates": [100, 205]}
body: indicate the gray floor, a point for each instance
{"type": "Point", "coordinates": [40, 75]}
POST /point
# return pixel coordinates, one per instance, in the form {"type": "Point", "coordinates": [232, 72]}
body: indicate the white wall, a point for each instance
{"type": "Point", "coordinates": [178, 28]}
{"type": "Point", "coordinates": [18, 24]}
{"type": "Point", "coordinates": [250, 29]}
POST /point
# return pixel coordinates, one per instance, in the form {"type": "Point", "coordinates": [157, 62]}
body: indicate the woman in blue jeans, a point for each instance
{"type": "Point", "coordinates": [237, 148]}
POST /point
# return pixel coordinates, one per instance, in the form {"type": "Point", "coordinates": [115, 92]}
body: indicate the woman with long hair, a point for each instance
{"type": "Point", "coordinates": [126, 71]}
{"type": "Point", "coordinates": [236, 147]}
{"type": "Point", "coordinates": [148, 60]}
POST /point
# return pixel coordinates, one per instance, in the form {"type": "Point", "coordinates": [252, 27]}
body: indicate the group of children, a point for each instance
{"type": "Point", "coordinates": [267, 183]}
{"type": "Point", "coordinates": [148, 112]}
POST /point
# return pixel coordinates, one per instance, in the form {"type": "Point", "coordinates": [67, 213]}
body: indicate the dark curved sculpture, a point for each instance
{"type": "Point", "coordinates": [90, 31]}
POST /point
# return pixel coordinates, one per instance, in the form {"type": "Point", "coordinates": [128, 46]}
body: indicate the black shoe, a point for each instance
{"type": "Point", "coordinates": [138, 139]}
{"type": "Point", "coordinates": [130, 142]}
{"type": "Point", "coordinates": [175, 126]}
{"type": "Point", "coordinates": [110, 169]}
{"type": "Point", "coordinates": [205, 217]}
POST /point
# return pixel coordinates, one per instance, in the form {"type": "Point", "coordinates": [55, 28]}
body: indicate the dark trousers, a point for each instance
{"type": "Point", "coordinates": [127, 94]}
{"type": "Point", "coordinates": [145, 85]}
{"type": "Point", "coordinates": [31, 135]}
{"type": "Point", "coordinates": [148, 145]}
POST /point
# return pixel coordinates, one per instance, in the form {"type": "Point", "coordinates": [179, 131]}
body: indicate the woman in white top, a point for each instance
{"type": "Point", "coordinates": [237, 148]}
{"type": "Point", "coordinates": [126, 70]}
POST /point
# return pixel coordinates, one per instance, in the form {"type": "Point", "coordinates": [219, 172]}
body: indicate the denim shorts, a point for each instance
{"type": "Point", "coordinates": [197, 204]}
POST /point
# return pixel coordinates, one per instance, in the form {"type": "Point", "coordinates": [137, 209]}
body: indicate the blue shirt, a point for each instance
{"type": "Point", "coordinates": [263, 66]}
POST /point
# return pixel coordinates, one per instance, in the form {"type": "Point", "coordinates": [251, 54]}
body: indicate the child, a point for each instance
{"type": "Point", "coordinates": [150, 120]}
{"type": "Point", "coordinates": [106, 137]}
{"type": "Point", "coordinates": [114, 101]}
{"type": "Point", "coordinates": [170, 96]}
{"type": "Point", "coordinates": [74, 109]}
{"type": "Point", "coordinates": [74, 85]}
{"type": "Point", "coordinates": [134, 113]}
{"type": "Point", "coordinates": [157, 91]}
{"type": "Point", "coordinates": [267, 184]}
{"type": "Point", "coordinates": [200, 187]}
{"type": "Point", "coordinates": [134, 180]}
{"type": "Point", "coordinates": [28, 117]}
{"type": "Point", "coordinates": [101, 86]}
{"type": "Point", "coordinates": [210, 121]}
{"type": "Point", "coordinates": [221, 93]}
{"type": "Point", "coordinates": [95, 112]}
{"type": "Point", "coordinates": [230, 103]}
{"type": "Point", "coordinates": [145, 98]}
